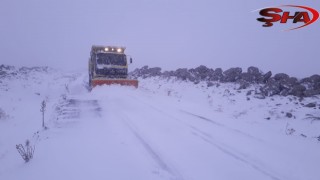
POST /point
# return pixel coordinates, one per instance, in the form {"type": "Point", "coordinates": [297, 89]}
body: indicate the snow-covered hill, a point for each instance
{"type": "Point", "coordinates": [166, 129]}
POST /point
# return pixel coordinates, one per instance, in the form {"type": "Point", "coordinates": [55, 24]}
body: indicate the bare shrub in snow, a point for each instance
{"type": "Point", "coordinates": [67, 88]}
{"type": "Point", "coordinates": [26, 151]}
{"type": "Point", "coordinates": [3, 115]}
{"type": "Point", "coordinates": [289, 131]}
{"type": "Point", "coordinates": [42, 110]}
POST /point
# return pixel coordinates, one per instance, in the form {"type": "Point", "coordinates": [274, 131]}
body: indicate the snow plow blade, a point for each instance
{"type": "Point", "coordinates": [122, 82]}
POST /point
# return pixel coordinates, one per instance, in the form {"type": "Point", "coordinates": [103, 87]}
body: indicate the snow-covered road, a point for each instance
{"type": "Point", "coordinates": [124, 133]}
{"type": "Point", "coordinates": [182, 144]}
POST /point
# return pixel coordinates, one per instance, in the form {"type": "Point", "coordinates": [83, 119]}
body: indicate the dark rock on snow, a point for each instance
{"type": "Point", "coordinates": [310, 105]}
{"type": "Point", "coordinates": [280, 76]}
{"type": "Point", "coordinates": [232, 74]}
{"type": "Point", "coordinates": [297, 90]}
{"type": "Point", "coordinates": [289, 115]}
{"type": "Point", "coordinates": [272, 87]}
{"type": "Point", "coordinates": [217, 75]}
{"type": "Point", "coordinates": [184, 74]}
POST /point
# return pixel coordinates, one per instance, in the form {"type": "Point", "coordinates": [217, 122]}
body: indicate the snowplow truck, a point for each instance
{"type": "Point", "coordinates": [109, 65]}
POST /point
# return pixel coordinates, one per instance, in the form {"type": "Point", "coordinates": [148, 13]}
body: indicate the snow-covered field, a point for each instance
{"type": "Point", "coordinates": [165, 129]}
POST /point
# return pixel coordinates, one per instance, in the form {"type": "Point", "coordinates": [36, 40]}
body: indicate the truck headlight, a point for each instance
{"type": "Point", "coordinates": [119, 50]}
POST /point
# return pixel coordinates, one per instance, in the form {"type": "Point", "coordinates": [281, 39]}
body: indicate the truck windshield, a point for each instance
{"type": "Point", "coordinates": [111, 59]}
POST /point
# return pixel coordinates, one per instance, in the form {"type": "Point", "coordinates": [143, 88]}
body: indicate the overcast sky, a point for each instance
{"type": "Point", "coordinates": [165, 33]}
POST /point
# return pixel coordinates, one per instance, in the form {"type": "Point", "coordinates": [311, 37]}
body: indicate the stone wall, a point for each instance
{"type": "Point", "coordinates": [278, 84]}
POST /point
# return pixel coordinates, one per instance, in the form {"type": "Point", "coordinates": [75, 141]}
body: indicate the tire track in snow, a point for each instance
{"type": "Point", "coordinates": [151, 151]}
{"type": "Point", "coordinates": [236, 155]}
{"type": "Point", "coordinates": [220, 146]}
{"type": "Point", "coordinates": [222, 125]}
{"type": "Point", "coordinates": [202, 118]}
